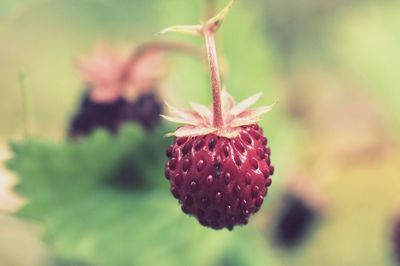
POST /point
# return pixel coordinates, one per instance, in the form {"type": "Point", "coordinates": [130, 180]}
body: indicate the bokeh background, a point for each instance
{"type": "Point", "coordinates": [333, 65]}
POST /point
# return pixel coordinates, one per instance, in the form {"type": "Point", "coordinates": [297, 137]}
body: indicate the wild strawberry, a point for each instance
{"type": "Point", "coordinates": [145, 110]}
{"type": "Point", "coordinates": [219, 165]}
{"type": "Point", "coordinates": [123, 88]}
{"type": "Point", "coordinates": [101, 104]}
{"type": "Point", "coordinates": [220, 180]}
{"type": "Point", "coordinates": [295, 220]}
{"type": "Point", "coordinates": [93, 115]}
{"type": "Point", "coordinates": [102, 74]}
{"type": "Point", "coordinates": [302, 206]}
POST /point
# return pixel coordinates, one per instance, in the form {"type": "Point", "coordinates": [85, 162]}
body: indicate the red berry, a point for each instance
{"type": "Point", "coordinates": [221, 181]}
{"type": "Point", "coordinates": [219, 164]}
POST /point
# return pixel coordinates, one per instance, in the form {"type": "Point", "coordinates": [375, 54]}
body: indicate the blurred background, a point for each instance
{"type": "Point", "coordinates": [333, 65]}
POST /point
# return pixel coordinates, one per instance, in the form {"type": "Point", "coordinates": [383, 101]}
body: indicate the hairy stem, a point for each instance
{"type": "Point", "coordinates": [218, 120]}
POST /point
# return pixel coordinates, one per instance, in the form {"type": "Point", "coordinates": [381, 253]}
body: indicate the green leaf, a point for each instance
{"type": "Point", "coordinates": [76, 191]}
{"type": "Point", "coordinates": [92, 221]}
{"type": "Point", "coordinates": [365, 46]}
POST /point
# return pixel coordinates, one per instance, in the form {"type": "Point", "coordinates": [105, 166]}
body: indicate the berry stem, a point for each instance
{"type": "Point", "coordinates": [218, 120]}
{"type": "Point", "coordinates": [208, 30]}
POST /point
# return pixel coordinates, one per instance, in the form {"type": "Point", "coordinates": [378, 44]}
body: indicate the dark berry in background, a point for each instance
{"type": "Point", "coordinates": [92, 115]}
{"type": "Point", "coordinates": [294, 222]}
{"type": "Point", "coordinates": [145, 110]}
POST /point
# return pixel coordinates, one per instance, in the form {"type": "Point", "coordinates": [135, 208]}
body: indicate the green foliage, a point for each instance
{"type": "Point", "coordinates": [104, 200]}
{"type": "Point", "coordinates": [89, 220]}
{"type": "Point", "coordinates": [8, 6]}
{"type": "Point", "coordinates": [366, 46]}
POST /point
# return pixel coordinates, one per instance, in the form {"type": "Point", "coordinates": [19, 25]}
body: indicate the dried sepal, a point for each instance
{"type": "Point", "coordinates": [245, 104]}
{"type": "Point", "coordinates": [191, 116]}
{"type": "Point", "coordinates": [178, 120]}
{"type": "Point", "coordinates": [186, 131]}
{"type": "Point", "coordinates": [204, 111]}
{"type": "Point", "coordinates": [256, 112]}
{"type": "Point", "coordinates": [101, 71]}
{"type": "Point", "coordinates": [227, 101]}
{"type": "Point", "coordinates": [229, 133]}
{"type": "Point", "coordinates": [243, 121]}
{"type": "Point", "coordinates": [199, 121]}
{"type": "Point", "coordinates": [103, 65]}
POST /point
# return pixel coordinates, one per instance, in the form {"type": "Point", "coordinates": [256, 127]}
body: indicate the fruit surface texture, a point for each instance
{"type": "Point", "coordinates": [221, 181]}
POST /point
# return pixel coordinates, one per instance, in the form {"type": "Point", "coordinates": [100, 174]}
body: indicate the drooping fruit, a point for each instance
{"type": "Point", "coordinates": [102, 102]}
{"type": "Point", "coordinates": [111, 80]}
{"type": "Point", "coordinates": [220, 180]}
{"type": "Point", "coordinates": [220, 175]}
{"type": "Point", "coordinates": [302, 206]}
{"type": "Point", "coordinates": [219, 165]}
{"type": "Point", "coordinates": [294, 222]}
{"type": "Point", "coordinates": [122, 87]}
{"type": "Point", "coordinates": [92, 115]}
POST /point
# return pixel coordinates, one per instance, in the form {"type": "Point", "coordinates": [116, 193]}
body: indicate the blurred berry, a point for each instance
{"type": "Point", "coordinates": [396, 240]}
{"type": "Point", "coordinates": [145, 110]}
{"type": "Point", "coordinates": [93, 115]}
{"type": "Point", "coordinates": [102, 72]}
{"type": "Point", "coordinates": [294, 223]}
{"type": "Point", "coordinates": [302, 206]}
{"type": "Point", "coordinates": [121, 89]}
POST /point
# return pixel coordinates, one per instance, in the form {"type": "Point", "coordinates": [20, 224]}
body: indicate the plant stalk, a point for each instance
{"type": "Point", "coordinates": [218, 120]}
